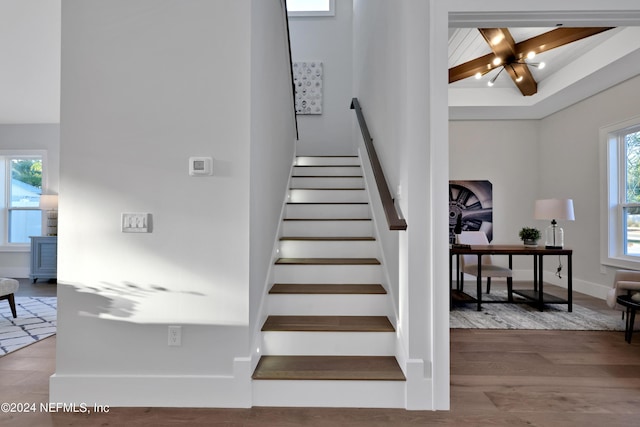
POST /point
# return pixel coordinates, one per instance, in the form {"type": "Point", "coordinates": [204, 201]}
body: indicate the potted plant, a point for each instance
{"type": "Point", "coordinates": [529, 236]}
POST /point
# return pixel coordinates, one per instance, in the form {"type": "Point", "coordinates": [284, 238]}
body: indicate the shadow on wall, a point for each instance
{"type": "Point", "coordinates": [138, 303]}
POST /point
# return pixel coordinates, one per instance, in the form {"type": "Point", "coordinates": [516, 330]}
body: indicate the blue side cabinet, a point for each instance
{"type": "Point", "coordinates": [44, 258]}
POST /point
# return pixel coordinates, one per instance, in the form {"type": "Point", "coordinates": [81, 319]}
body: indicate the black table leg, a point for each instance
{"type": "Point", "coordinates": [451, 283]}
{"type": "Point", "coordinates": [510, 280]}
{"type": "Point", "coordinates": [569, 284]}
{"type": "Point", "coordinates": [479, 282]}
{"type": "Point", "coordinates": [535, 273]}
{"type": "Point", "coordinates": [540, 285]}
{"type": "Point", "coordinates": [631, 318]}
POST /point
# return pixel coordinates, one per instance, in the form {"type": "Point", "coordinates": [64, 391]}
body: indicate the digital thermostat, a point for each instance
{"type": "Point", "coordinates": [200, 166]}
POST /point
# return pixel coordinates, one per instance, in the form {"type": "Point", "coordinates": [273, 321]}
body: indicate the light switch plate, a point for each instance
{"type": "Point", "coordinates": [136, 223]}
{"type": "Point", "coordinates": [199, 166]}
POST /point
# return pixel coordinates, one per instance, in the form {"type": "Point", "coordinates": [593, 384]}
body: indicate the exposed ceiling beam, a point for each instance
{"type": "Point", "coordinates": [510, 52]}
{"type": "Point", "coordinates": [555, 38]}
{"type": "Point", "coordinates": [504, 47]}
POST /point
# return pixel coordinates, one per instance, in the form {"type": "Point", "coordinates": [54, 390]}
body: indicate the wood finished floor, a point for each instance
{"type": "Point", "coordinates": [498, 378]}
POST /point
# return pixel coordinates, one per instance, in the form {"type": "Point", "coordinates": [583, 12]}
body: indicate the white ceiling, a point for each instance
{"type": "Point", "coordinates": [572, 73]}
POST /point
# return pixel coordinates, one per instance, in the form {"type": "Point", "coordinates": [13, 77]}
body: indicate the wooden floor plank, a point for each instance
{"type": "Point", "coordinates": [362, 368]}
{"type": "Point", "coordinates": [328, 324]}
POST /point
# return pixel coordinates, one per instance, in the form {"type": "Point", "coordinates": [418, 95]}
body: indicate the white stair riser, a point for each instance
{"type": "Point", "coordinates": [351, 274]}
{"type": "Point", "coordinates": [328, 343]}
{"type": "Point", "coordinates": [306, 196]}
{"type": "Point", "coordinates": [331, 249]}
{"type": "Point", "coordinates": [327, 305]}
{"type": "Point", "coordinates": [331, 170]}
{"type": "Point", "coordinates": [294, 210]}
{"type": "Point", "coordinates": [311, 160]}
{"type": "Point", "coordinates": [334, 394]}
{"type": "Point", "coordinates": [327, 228]}
{"type": "Point", "coordinates": [327, 182]}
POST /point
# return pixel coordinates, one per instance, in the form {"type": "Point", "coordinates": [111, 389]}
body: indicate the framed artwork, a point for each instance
{"type": "Point", "coordinates": [307, 79]}
{"type": "Point", "coordinates": [473, 201]}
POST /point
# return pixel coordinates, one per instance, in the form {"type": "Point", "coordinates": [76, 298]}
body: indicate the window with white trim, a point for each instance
{"type": "Point", "coordinates": [311, 7]}
{"type": "Point", "coordinates": [621, 224]}
{"type": "Point", "coordinates": [20, 214]}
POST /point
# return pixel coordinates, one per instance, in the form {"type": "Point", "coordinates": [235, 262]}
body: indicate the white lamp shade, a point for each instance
{"type": "Point", "coordinates": [48, 202]}
{"type": "Point", "coordinates": [554, 209]}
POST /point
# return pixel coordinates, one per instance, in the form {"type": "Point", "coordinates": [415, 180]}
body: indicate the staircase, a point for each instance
{"type": "Point", "coordinates": [328, 340]}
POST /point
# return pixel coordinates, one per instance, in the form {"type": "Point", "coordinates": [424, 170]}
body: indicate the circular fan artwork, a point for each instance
{"type": "Point", "coordinates": [472, 201]}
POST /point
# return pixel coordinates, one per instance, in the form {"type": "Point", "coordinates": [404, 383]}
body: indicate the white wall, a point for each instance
{"type": "Point", "coordinates": [272, 142]}
{"type": "Point", "coordinates": [396, 43]}
{"type": "Point", "coordinates": [505, 153]}
{"type": "Point", "coordinates": [30, 52]}
{"type": "Point", "coordinates": [30, 137]}
{"type": "Point", "coordinates": [569, 167]}
{"type": "Point", "coordinates": [146, 85]}
{"type": "Point", "coordinates": [327, 39]}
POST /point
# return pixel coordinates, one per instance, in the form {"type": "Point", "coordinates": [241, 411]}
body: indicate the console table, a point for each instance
{"type": "Point", "coordinates": [538, 252]}
{"type": "Point", "coordinates": [44, 257]}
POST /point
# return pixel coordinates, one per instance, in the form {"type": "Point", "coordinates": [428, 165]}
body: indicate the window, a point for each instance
{"type": "Point", "coordinates": [21, 216]}
{"type": "Point", "coordinates": [311, 7]}
{"type": "Point", "coordinates": [620, 233]}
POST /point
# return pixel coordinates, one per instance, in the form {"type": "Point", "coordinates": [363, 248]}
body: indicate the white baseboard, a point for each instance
{"type": "Point", "coordinates": [173, 391]}
{"type": "Point", "coordinates": [14, 272]}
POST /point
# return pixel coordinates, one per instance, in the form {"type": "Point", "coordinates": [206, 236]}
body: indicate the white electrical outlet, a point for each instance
{"type": "Point", "coordinates": [175, 336]}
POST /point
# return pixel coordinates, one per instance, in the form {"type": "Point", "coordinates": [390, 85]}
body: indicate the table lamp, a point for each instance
{"type": "Point", "coordinates": [49, 204]}
{"type": "Point", "coordinates": [554, 209]}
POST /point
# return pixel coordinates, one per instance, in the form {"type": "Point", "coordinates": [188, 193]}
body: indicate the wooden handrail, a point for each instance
{"type": "Point", "coordinates": [393, 219]}
{"type": "Point", "coordinates": [293, 85]}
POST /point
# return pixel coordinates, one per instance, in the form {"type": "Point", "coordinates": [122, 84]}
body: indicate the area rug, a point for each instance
{"type": "Point", "coordinates": [36, 320]}
{"type": "Point", "coordinates": [525, 316]}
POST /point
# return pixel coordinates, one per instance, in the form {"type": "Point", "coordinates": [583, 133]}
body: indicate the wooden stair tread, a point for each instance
{"type": "Point", "coordinates": [327, 261]}
{"type": "Point", "coordinates": [327, 289]}
{"type": "Point", "coordinates": [327, 203]}
{"type": "Point", "coordinates": [326, 166]}
{"type": "Point", "coordinates": [330, 239]}
{"type": "Point", "coordinates": [327, 189]}
{"type": "Point", "coordinates": [328, 324]}
{"type": "Point", "coordinates": [327, 176]}
{"type": "Point", "coordinates": [326, 219]}
{"type": "Point", "coordinates": [350, 368]}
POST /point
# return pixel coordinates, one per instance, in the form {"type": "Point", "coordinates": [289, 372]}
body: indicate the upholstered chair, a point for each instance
{"type": "Point", "coordinates": [8, 287]}
{"type": "Point", "coordinates": [624, 282]}
{"type": "Point", "coordinates": [469, 263]}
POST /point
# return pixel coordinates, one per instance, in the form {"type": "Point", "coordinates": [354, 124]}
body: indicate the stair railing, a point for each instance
{"type": "Point", "coordinates": [395, 221]}
{"type": "Point", "coordinates": [293, 85]}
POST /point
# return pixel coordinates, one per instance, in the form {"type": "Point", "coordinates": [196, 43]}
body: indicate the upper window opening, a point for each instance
{"type": "Point", "coordinates": [311, 7]}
